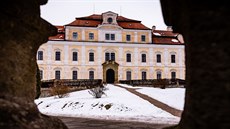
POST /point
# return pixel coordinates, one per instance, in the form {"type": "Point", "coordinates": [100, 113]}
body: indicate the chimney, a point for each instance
{"type": "Point", "coordinates": [169, 28]}
{"type": "Point", "coordinates": [153, 28]}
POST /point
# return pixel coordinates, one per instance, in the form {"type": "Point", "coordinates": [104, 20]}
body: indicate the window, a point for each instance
{"type": "Point", "coordinates": [110, 20]}
{"type": "Point", "coordinates": [173, 75]}
{"type": "Point", "coordinates": [143, 75]}
{"type": "Point", "coordinates": [75, 35]}
{"type": "Point", "coordinates": [91, 74]}
{"type": "Point", "coordinates": [91, 56]}
{"type": "Point", "coordinates": [128, 37]}
{"type": "Point", "coordinates": [158, 58]}
{"type": "Point", "coordinates": [109, 36]}
{"type": "Point", "coordinates": [112, 36]}
{"type": "Point", "coordinates": [57, 75]}
{"type": "Point", "coordinates": [143, 57]}
{"type": "Point", "coordinates": [74, 56]}
{"type": "Point", "coordinates": [158, 74]}
{"type": "Point", "coordinates": [40, 55]}
{"type": "Point", "coordinates": [128, 75]}
{"type": "Point", "coordinates": [41, 74]}
{"type": "Point", "coordinates": [109, 56]}
{"type": "Point", "coordinates": [57, 56]}
{"type": "Point", "coordinates": [74, 75]}
{"type": "Point", "coordinates": [143, 38]}
{"type": "Point", "coordinates": [91, 36]}
{"type": "Point", "coordinates": [128, 57]}
{"type": "Point", "coordinates": [113, 56]}
{"type": "Point", "coordinates": [173, 58]}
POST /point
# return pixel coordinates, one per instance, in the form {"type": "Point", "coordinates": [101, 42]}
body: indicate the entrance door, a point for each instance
{"type": "Point", "coordinates": [110, 76]}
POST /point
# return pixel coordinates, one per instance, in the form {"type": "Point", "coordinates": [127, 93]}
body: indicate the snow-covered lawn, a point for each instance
{"type": "Point", "coordinates": [173, 97]}
{"type": "Point", "coordinates": [119, 104]}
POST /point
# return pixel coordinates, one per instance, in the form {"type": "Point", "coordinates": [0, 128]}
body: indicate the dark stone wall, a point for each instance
{"type": "Point", "coordinates": [22, 32]}
{"type": "Point", "coordinates": [205, 27]}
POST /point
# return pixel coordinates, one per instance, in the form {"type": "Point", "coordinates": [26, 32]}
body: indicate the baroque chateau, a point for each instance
{"type": "Point", "coordinates": [111, 48]}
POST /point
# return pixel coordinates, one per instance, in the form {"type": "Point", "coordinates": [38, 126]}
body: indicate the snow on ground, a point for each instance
{"type": "Point", "coordinates": [173, 97]}
{"type": "Point", "coordinates": [119, 104]}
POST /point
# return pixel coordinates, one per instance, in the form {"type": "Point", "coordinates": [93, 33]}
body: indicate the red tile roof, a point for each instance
{"type": "Point", "coordinates": [165, 37]}
{"type": "Point", "coordinates": [57, 37]}
{"type": "Point", "coordinates": [95, 20]}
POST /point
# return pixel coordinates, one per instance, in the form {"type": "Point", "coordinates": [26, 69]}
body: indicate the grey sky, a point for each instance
{"type": "Point", "coordinates": [61, 12]}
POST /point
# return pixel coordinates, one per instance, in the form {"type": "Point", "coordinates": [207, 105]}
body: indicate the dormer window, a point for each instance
{"type": "Point", "coordinates": [109, 20]}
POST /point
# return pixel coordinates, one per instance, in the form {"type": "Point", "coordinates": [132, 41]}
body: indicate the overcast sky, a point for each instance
{"type": "Point", "coordinates": [61, 12]}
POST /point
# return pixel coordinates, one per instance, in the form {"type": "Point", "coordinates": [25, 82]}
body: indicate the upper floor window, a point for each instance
{"type": "Point", "coordinates": [58, 74]}
{"type": "Point", "coordinates": [91, 56]}
{"type": "Point", "coordinates": [109, 20]}
{"type": "Point", "coordinates": [91, 74]}
{"type": "Point", "coordinates": [128, 57]}
{"type": "Point", "coordinates": [173, 75]}
{"type": "Point", "coordinates": [74, 75]}
{"type": "Point", "coordinates": [143, 57]}
{"type": "Point", "coordinates": [158, 58]}
{"type": "Point", "coordinates": [128, 37]}
{"type": "Point", "coordinates": [75, 35]}
{"type": "Point", "coordinates": [91, 36]}
{"type": "Point", "coordinates": [41, 74]}
{"type": "Point", "coordinates": [57, 55]}
{"type": "Point", "coordinates": [173, 58]}
{"type": "Point", "coordinates": [144, 75]}
{"type": "Point", "coordinates": [158, 74]}
{"type": "Point", "coordinates": [128, 75]}
{"type": "Point", "coordinates": [109, 56]}
{"type": "Point", "coordinates": [75, 56]}
{"type": "Point", "coordinates": [143, 38]}
{"type": "Point", "coordinates": [110, 36]}
{"type": "Point", "coordinates": [40, 55]}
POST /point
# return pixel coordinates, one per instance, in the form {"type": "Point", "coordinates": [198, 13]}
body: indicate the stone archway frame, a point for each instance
{"type": "Point", "coordinates": [110, 65]}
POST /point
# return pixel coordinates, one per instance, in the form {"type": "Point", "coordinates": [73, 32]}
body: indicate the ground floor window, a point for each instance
{"type": "Point", "coordinates": [128, 75]}
{"type": "Point", "coordinates": [74, 75]}
{"type": "Point", "coordinates": [143, 75]}
{"type": "Point", "coordinates": [57, 74]}
{"type": "Point", "coordinates": [41, 74]}
{"type": "Point", "coordinates": [173, 75]}
{"type": "Point", "coordinates": [91, 74]}
{"type": "Point", "coordinates": [158, 74]}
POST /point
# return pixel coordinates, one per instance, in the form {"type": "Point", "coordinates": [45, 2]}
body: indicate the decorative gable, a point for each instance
{"type": "Point", "coordinates": [109, 18]}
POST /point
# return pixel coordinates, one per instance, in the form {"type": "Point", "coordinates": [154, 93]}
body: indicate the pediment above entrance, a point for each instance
{"type": "Point", "coordinates": [110, 62]}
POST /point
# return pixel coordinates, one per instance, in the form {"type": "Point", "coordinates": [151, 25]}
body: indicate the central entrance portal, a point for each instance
{"type": "Point", "coordinates": [110, 71]}
{"type": "Point", "coordinates": [110, 76]}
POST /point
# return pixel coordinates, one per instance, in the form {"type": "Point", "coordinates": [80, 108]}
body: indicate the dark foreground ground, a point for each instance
{"type": "Point", "coordinates": [85, 123]}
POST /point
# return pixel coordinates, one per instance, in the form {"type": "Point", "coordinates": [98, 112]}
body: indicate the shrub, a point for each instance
{"type": "Point", "coordinates": [60, 91]}
{"type": "Point", "coordinates": [98, 91]}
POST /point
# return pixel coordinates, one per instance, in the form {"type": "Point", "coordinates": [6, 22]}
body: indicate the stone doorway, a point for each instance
{"type": "Point", "coordinates": [110, 76]}
{"type": "Point", "coordinates": [110, 71]}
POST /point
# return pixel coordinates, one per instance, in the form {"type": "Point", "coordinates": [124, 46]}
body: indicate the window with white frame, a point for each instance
{"type": "Point", "coordinates": [40, 55]}
{"type": "Point", "coordinates": [74, 77]}
{"type": "Point", "coordinates": [158, 74]}
{"type": "Point", "coordinates": [57, 55]}
{"type": "Point", "coordinates": [58, 74]}
{"type": "Point", "coordinates": [128, 57]}
{"type": "Point", "coordinates": [128, 37]}
{"type": "Point", "coordinates": [173, 58]}
{"type": "Point", "coordinates": [91, 56]}
{"type": "Point", "coordinates": [91, 74]}
{"type": "Point", "coordinates": [158, 56]}
{"type": "Point", "coordinates": [91, 36]}
{"type": "Point", "coordinates": [173, 75]}
{"type": "Point", "coordinates": [75, 35]}
{"type": "Point", "coordinates": [75, 56]}
{"type": "Point", "coordinates": [109, 36]}
{"type": "Point", "coordinates": [143, 75]}
{"type": "Point", "coordinates": [143, 58]}
{"type": "Point", "coordinates": [143, 38]}
{"type": "Point", "coordinates": [128, 75]}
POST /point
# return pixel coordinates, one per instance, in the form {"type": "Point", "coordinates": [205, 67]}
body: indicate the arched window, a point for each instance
{"type": "Point", "coordinates": [158, 74]}
{"type": "Point", "coordinates": [128, 57]}
{"type": "Point", "coordinates": [40, 55]}
{"type": "Point", "coordinates": [58, 74]}
{"type": "Point", "coordinates": [74, 75]}
{"type": "Point", "coordinates": [75, 56]}
{"type": "Point", "coordinates": [143, 57]}
{"type": "Point", "coordinates": [158, 56]}
{"type": "Point", "coordinates": [57, 55]}
{"type": "Point", "coordinates": [144, 75]}
{"type": "Point", "coordinates": [91, 74]}
{"type": "Point", "coordinates": [91, 56]}
{"type": "Point", "coordinates": [128, 75]}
